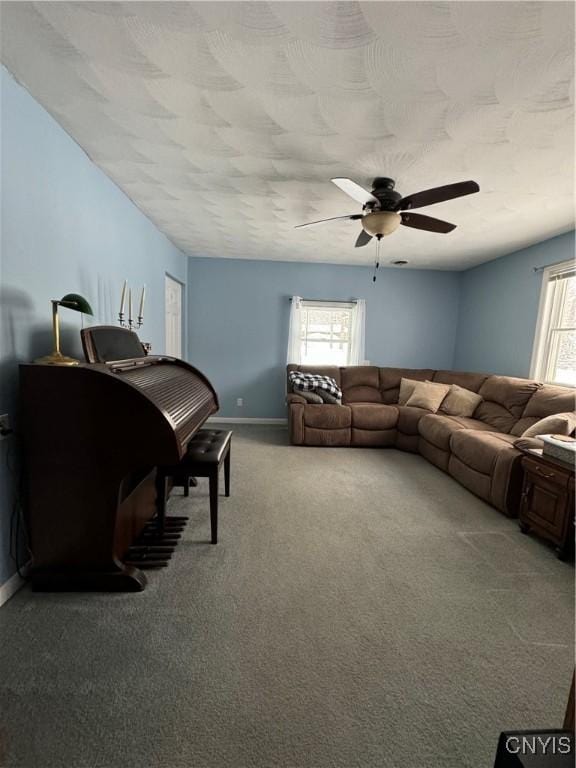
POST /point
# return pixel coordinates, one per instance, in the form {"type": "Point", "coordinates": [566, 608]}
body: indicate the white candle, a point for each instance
{"type": "Point", "coordinates": [123, 299]}
{"type": "Point", "coordinates": [142, 295]}
{"type": "Point", "coordinates": [130, 305]}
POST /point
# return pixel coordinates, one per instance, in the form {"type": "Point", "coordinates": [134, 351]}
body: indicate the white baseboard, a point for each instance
{"type": "Point", "coordinates": [245, 420]}
{"type": "Point", "coordinates": [10, 587]}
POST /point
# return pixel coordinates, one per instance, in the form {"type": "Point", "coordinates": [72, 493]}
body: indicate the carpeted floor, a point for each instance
{"type": "Point", "coordinates": [361, 610]}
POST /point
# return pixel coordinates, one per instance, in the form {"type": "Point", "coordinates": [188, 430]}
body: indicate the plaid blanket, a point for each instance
{"type": "Point", "coordinates": [312, 382]}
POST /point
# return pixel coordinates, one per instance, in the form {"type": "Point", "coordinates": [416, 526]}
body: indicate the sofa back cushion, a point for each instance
{"type": "Point", "coordinates": [503, 401]}
{"type": "Point", "coordinates": [390, 380]}
{"type": "Point", "coordinates": [471, 381]}
{"type": "Point", "coordinates": [546, 401]}
{"type": "Point", "coordinates": [322, 370]}
{"type": "Point", "coordinates": [360, 384]}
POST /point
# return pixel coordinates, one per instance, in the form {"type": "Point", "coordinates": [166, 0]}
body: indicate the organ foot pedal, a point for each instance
{"type": "Point", "coordinates": [156, 544]}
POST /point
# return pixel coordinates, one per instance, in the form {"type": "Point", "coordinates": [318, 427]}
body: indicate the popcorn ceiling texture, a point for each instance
{"type": "Point", "coordinates": [224, 121]}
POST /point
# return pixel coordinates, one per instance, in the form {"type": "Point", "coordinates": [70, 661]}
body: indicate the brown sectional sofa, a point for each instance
{"type": "Point", "coordinates": [479, 452]}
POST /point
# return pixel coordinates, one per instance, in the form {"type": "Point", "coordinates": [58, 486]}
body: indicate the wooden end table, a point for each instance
{"type": "Point", "coordinates": [547, 502]}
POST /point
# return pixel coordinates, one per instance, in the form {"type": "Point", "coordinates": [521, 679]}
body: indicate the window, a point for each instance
{"type": "Point", "coordinates": [554, 355]}
{"type": "Point", "coordinates": [326, 332]}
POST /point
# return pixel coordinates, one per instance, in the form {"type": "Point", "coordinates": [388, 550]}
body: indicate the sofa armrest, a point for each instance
{"type": "Point", "coordinates": [296, 423]}
{"type": "Point", "coordinates": [524, 443]}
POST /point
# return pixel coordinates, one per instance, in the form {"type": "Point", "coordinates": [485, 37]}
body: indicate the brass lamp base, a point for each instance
{"type": "Point", "coordinates": [57, 358]}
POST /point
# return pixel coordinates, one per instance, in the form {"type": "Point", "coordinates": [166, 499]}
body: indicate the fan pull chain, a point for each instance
{"type": "Point", "coordinates": [377, 264]}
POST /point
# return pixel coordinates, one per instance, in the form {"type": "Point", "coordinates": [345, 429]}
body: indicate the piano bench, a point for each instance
{"type": "Point", "coordinates": [207, 451]}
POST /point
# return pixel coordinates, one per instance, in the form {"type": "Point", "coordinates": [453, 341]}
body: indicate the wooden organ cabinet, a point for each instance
{"type": "Point", "coordinates": [93, 437]}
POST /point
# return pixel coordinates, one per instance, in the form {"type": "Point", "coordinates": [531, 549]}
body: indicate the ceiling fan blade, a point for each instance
{"type": "Point", "coordinates": [355, 191]}
{"type": "Point", "coordinates": [363, 239]}
{"type": "Point", "coordinates": [437, 195]}
{"type": "Point", "coordinates": [418, 221]}
{"type": "Point", "coordinates": [334, 218]}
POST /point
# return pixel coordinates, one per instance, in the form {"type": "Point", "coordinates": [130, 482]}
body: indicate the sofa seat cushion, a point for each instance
{"type": "Point", "coordinates": [409, 418]}
{"type": "Point", "coordinates": [373, 416]}
{"type": "Point", "coordinates": [438, 429]}
{"type": "Point", "coordinates": [327, 416]}
{"type": "Point", "coordinates": [480, 450]}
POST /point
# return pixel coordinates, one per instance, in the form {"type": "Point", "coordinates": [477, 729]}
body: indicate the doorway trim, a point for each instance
{"type": "Point", "coordinates": [183, 304]}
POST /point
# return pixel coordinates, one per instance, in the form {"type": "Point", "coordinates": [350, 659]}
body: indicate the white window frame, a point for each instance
{"type": "Point", "coordinates": [327, 305]}
{"type": "Point", "coordinates": [542, 348]}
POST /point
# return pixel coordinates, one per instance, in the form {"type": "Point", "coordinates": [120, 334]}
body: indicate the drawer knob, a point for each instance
{"type": "Point", "coordinates": [544, 474]}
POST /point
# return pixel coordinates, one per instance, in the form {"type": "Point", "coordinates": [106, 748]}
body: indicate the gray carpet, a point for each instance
{"type": "Point", "coordinates": [361, 610]}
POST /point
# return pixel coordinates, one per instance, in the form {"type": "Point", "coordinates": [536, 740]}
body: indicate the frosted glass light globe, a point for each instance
{"type": "Point", "coordinates": [381, 223]}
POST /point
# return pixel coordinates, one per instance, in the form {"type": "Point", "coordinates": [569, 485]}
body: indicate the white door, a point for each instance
{"type": "Point", "coordinates": [173, 317]}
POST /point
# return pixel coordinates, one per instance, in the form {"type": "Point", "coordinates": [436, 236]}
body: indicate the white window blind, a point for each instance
{"type": "Point", "coordinates": [554, 355]}
{"type": "Point", "coordinates": [325, 333]}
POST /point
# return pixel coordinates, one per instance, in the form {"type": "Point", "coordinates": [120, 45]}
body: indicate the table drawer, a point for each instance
{"type": "Point", "coordinates": [550, 475]}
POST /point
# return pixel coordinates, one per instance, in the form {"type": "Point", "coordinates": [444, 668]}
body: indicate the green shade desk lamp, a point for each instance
{"type": "Point", "coordinates": [70, 301]}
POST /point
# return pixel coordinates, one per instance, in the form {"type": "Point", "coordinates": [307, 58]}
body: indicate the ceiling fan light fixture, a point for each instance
{"type": "Point", "coordinates": [384, 210]}
{"type": "Point", "coordinates": [381, 223]}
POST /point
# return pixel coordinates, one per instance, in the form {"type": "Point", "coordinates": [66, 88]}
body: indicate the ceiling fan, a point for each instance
{"type": "Point", "coordinates": [384, 210]}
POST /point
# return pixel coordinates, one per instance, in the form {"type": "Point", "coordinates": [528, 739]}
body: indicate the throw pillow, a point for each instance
{"type": "Point", "coordinates": [428, 395]}
{"type": "Point", "coordinates": [328, 398]}
{"type": "Point", "coordinates": [556, 424]}
{"type": "Point", "coordinates": [460, 401]}
{"type": "Point", "coordinates": [310, 397]}
{"type": "Point", "coordinates": [406, 389]}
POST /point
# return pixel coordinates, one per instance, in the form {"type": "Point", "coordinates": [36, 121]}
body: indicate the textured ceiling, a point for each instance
{"type": "Point", "coordinates": [225, 121]}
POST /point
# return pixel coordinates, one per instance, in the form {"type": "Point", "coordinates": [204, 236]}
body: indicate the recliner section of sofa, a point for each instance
{"type": "Point", "coordinates": [476, 451]}
{"type": "Point", "coordinates": [436, 432]}
{"type": "Point", "coordinates": [373, 424]}
{"type": "Point", "coordinates": [489, 465]}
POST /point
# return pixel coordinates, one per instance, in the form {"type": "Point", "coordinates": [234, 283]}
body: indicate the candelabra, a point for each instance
{"type": "Point", "coordinates": [129, 323]}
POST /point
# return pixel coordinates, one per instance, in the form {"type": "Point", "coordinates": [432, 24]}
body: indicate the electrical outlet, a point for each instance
{"type": "Point", "coordinates": [240, 402]}
{"type": "Point", "coordinates": [5, 428]}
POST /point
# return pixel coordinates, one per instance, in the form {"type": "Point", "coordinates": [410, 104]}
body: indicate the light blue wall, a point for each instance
{"type": "Point", "coordinates": [239, 312]}
{"type": "Point", "coordinates": [65, 228]}
{"type": "Point", "coordinates": [499, 308]}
